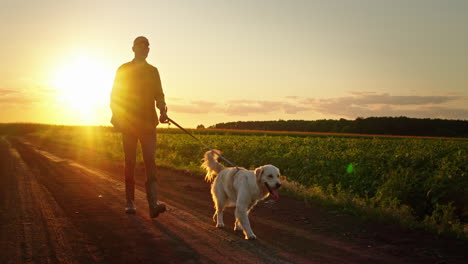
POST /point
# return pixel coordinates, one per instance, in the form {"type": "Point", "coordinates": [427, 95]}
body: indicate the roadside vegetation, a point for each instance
{"type": "Point", "coordinates": [417, 182]}
{"type": "Point", "coordinates": [371, 125]}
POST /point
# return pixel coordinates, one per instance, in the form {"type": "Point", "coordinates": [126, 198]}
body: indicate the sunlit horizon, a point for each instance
{"type": "Point", "coordinates": [83, 85]}
{"type": "Point", "coordinates": [238, 61]}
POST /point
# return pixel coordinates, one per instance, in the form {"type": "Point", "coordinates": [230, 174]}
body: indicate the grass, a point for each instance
{"type": "Point", "coordinates": [417, 182]}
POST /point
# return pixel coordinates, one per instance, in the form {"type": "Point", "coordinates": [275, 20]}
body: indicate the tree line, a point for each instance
{"type": "Point", "coordinates": [404, 126]}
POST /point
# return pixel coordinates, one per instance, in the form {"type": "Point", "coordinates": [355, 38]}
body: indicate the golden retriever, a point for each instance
{"type": "Point", "coordinates": [240, 188]}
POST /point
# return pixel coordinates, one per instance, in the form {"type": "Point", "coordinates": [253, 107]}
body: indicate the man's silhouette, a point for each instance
{"type": "Point", "coordinates": [137, 86]}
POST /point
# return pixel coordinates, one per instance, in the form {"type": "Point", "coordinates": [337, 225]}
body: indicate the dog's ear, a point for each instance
{"type": "Point", "coordinates": [258, 172]}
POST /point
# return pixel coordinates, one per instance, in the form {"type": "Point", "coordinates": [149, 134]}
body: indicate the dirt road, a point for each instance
{"type": "Point", "coordinates": [61, 205]}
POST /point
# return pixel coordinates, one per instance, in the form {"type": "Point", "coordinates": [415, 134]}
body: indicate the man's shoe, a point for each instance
{"type": "Point", "coordinates": [130, 208]}
{"type": "Point", "coordinates": [154, 211]}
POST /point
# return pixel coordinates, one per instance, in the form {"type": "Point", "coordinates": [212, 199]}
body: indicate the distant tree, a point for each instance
{"type": "Point", "coordinates": [372, 125]}
{"type": "Point", "coordinates": [201, 126]}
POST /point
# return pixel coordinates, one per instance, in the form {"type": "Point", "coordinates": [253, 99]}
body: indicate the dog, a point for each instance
{"type": "Point", "coordinates": [240, 188]}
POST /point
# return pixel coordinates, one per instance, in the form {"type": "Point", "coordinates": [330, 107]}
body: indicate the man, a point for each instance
{"type": "Point", "coordinates": [137, 86]}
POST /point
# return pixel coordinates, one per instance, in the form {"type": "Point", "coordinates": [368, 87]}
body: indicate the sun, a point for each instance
{"type": "Point", "coordinates": [83, 85]}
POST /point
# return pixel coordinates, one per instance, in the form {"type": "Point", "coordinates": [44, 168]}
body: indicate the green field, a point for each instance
{"type": "Point", "coordinates": [419, 181]}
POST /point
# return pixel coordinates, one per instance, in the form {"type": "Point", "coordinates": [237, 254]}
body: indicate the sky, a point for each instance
{"type": "Point", "coordinates": [223, 61]}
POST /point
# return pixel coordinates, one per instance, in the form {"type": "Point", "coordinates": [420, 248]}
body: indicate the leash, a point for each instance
{"type": "Point", "coordinates": [205, 145]}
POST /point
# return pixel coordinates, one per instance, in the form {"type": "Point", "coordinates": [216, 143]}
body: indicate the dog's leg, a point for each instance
{"type": "Point", "coordinates": [219, 215]}
{"type": "Point", "coordinates": [237, 226]}
{"type": "Point", "coordinates": [219, 201]}
{"type": "Point", "coordinates": [243, 217]}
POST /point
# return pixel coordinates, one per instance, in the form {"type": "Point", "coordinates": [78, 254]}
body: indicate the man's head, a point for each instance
{"type": "Point", "coordinates": [141, 47]}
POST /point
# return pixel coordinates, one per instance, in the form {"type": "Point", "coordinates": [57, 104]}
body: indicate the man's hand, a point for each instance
{"type": "Point", "coordinates": [163, 118]}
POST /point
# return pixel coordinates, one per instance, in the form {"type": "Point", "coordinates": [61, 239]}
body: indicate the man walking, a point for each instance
{"type": "Point", "coordinates": [137, 86]}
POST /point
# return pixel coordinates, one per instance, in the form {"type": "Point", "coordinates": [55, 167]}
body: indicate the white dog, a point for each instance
{"type": "Point", "coordinates": [240, 188]}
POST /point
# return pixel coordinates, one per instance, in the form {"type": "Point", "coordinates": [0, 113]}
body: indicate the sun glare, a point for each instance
{"type": "Point", "coordinates": [83, 85]}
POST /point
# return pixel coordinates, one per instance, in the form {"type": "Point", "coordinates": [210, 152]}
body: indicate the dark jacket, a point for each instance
{"type": "Point", "coordinates": [136, 88]}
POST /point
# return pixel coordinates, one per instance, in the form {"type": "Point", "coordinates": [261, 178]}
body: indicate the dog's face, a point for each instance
{"type": "Point", "coordinates": [269, 176]}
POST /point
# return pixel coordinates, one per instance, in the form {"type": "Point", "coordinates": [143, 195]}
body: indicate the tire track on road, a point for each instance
{"type": "Point", "coordinates": [193, 239]}
{"type": "Point", "coordinates": [43, 232]}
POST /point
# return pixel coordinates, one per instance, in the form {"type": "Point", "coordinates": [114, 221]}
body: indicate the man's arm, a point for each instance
{"type": "Point", "coordinates": [116, 87]}
{"type": "Point", "coordinates": [116, 98]}
{"type": "Point", "coordinates": [160, 100]}
{"type": "Point", "coordinates": [158, 93]}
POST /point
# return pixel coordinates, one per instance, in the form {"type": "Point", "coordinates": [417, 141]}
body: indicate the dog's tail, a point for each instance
{"type": "Point", "coordinates": [211, 165]}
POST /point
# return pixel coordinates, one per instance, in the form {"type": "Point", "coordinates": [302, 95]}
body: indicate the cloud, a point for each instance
{"type": "Point", "coordinates": [24, 97]}
{"type": "Point", "coordinates": [368, 99]}
{"type": "Point", "coordinates": [263, 107]}
{"type": "Point", "coordinates": [370, 104]}
{"type": "Point", "coordinates": [193, 107]}
{"type": "Point", "coordinates": [443, 112]}
{"type": "Point", "coordinates": [5, 92]}
{"type": "Point", "coordinates": [45, 90]}
{"type": "Point", "coordinates": [240, 107]}
{"type": "Point", "coordinates": [251, 107]}
{"type": "Point", "coordinates": [16, 100]}
{"type": "Point", "coordinates": [358, 104]}
{"type": "Point", "coordinates": [294, 109]}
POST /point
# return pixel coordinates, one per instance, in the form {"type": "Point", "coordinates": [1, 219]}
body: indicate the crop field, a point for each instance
{"type": "Point", "coordinates": [420, 179]}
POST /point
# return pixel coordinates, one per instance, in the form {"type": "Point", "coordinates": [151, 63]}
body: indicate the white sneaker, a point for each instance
{"type": "Point", "coordinates": [130, 208]}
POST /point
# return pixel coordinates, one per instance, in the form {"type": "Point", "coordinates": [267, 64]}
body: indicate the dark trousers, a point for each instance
{"type": "Point", "coordinates": [148, 148]}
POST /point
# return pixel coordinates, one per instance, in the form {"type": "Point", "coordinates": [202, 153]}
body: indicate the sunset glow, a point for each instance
{"type": "Point", "coordinates": [224, 61]}
{"type": "Point", "coordinates": [83, 85]}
